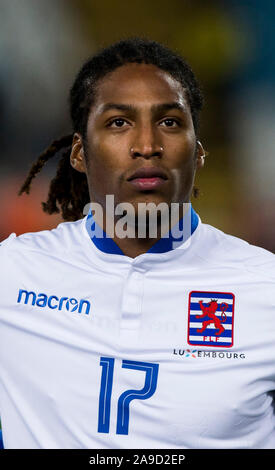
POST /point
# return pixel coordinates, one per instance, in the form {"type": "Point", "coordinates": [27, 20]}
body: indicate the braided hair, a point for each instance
{"type": "Point", "coordinates": [68, 191]}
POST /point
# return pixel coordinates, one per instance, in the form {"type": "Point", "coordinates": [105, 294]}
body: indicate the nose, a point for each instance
{"type": "Point", "coordinates": [145, 144]}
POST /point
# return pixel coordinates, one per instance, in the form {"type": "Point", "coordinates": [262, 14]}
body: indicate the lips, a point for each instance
{"type": "Point", "coordinates": [150, 172]}
{"type": "Point", "coordinates": [150, 178]}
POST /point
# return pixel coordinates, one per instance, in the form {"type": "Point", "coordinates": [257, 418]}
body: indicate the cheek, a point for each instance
{"type": "Point", "coordinates": [183, 154]}
{"type": "Point", "coordinates": [183, 167]}
{"type": "Point", "coordinates": [177, 180]}
{"type": "Point", "coordinates": [104, 169]}
{"type": "Point", "coordinates": [183, 179]}
{"type": "Point", "coordinates": [107, 155]}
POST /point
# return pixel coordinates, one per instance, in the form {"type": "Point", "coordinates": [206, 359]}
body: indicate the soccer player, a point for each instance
{"type": "Point", "coordinates": [114, 341]}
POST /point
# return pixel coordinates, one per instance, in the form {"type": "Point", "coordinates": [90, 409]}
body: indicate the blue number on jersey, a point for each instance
{"type": "Point", "coordinates": [107, 364]}
{"type": "Point", "coordinates": [150, 385]}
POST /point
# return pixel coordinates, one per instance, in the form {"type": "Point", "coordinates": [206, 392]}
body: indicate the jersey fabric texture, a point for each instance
{"type": "Point", "coordinates": [172, 349]}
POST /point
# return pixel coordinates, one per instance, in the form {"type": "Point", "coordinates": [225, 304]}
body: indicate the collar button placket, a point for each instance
{"type": "Point", "coordinates": [131, 310]}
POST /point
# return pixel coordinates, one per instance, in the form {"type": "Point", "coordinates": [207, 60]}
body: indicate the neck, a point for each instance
{"type": "Point", "coordinates": [136, 246]}
{"type": "Point", "coordinates": [136, 235]}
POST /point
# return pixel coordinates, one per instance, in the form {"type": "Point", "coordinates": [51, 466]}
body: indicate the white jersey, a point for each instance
{"type": "Point", "coordinates": [166, 350]}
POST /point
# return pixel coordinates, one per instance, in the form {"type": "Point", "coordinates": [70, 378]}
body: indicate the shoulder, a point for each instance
{"type": "Point", "coordinates": [62, 238]}
{"type": "Point", "coordinates": [222, 248]}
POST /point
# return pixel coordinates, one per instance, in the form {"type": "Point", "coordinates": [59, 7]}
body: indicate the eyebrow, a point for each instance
{"type": "Point", "coordinates": [162, 107]}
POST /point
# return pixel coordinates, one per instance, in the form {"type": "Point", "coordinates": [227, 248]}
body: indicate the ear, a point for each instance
{"type": "Point", "coordinates": [77, 159]}
{"type": "Point", "coordinates": [200, 155]}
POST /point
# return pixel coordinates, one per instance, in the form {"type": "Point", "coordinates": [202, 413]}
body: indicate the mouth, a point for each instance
{"type": "Point", "coordinates": [148, 178]}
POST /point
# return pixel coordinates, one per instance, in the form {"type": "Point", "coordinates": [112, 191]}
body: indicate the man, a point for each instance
{"type": "Point", "coordinates": [114, 341]}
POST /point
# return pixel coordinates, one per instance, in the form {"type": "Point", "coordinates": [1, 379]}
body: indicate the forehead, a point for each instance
{"type": "Point", "coordinates": [139, 83]}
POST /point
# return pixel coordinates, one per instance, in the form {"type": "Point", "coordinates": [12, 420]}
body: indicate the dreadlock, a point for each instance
{"type": "Point", "coordinates": [68, 191]}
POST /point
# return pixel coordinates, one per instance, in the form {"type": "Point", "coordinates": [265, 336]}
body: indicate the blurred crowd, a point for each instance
{"type": "Point", "coordinates": [229, 45]}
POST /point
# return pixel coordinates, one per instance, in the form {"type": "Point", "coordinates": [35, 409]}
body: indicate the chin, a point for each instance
{"type": "Point", "coordinates": [150, 198]}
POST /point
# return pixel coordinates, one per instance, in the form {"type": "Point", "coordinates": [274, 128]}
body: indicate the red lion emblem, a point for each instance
{"type": "Point", "coordinates": [209, 311]}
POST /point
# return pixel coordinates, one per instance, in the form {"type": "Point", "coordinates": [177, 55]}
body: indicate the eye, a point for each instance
{"type": "Point", "coordinates": [118, 122]}
{"type": "Point", "coordinates": [170, 122]}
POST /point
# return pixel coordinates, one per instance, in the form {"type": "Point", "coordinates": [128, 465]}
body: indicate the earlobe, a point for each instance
{"type": "Point", "coordinates": [200, 155]}
{"type": "Point", "coordinates": [77, 154]}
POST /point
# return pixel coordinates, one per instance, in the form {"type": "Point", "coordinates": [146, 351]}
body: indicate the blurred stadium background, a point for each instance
{"type": "Point", "coordinates": [230, 45]}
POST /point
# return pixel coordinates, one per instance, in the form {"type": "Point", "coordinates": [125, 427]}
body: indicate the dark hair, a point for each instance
{"type": "Point", "coordinates": [68, 190]}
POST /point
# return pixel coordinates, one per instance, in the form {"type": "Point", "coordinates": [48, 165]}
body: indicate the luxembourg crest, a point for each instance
{"type": "Point", "coordinates": [211, 319]}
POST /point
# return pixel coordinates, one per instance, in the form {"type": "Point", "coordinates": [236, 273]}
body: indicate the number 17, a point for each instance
{"type": "Point", "coordinates": [150, 385]}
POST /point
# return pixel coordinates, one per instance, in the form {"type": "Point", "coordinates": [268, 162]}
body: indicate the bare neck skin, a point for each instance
{"type": "Point", "coordinates": [139, 238]}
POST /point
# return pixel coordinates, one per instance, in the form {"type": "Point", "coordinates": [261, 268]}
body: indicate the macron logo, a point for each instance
{"type": "Point", "coordinates": [53, 302]}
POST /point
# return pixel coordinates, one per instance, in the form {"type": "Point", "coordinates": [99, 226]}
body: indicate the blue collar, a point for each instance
{"type": "Point", "coordinates": [176, 236]}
